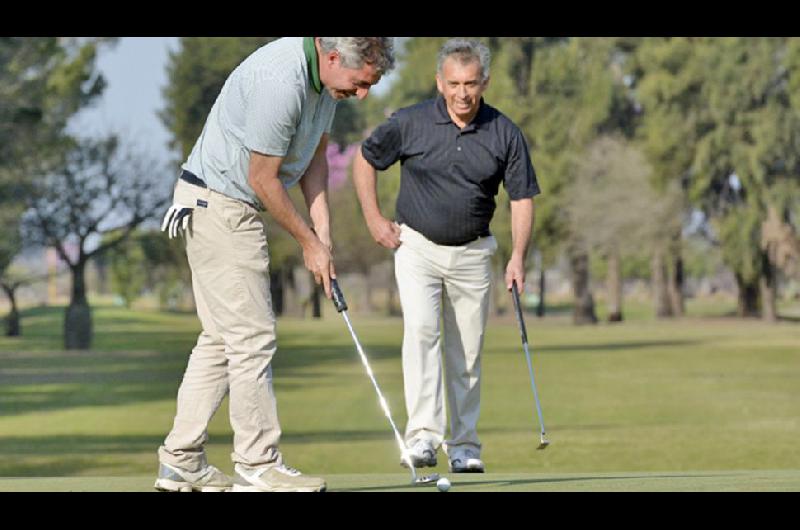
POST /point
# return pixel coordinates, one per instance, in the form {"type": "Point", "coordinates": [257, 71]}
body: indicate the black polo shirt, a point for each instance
{"type": "Point", "coordinates": [450, 176]}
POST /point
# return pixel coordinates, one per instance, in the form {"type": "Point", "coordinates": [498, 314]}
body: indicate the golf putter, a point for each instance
{"type": "Point", "coordinates": [341, 307]}
{"type": "Point", "coordinates": [543, 443]}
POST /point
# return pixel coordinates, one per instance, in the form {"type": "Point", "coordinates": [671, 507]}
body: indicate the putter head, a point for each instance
{"type": "Point", "coordinates": [426, 479]}
{"type": "Point", "coordinates": [543, 443]}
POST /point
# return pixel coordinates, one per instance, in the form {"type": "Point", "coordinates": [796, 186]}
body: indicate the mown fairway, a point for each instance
{"type": "Point", "coordinates": [697, 404]}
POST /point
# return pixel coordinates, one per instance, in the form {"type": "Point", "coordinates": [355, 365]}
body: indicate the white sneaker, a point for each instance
{"type": "Point", "coordinates": [274, 478]}
{"type": "Point", "coordinates": [422, 454]}
{"type": "Point", "coordinates": [171, 478]}
{"type": "Point", "coordinates": [465, 461]}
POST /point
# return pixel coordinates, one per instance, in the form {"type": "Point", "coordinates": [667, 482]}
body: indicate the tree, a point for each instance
{"type": "Point", "coordinates": [748, 160]}
{"type": "Point", "coordinates": [11, 280]}
{"type": "Point", "coordinates": [563, 93]}
{"type": "Point", "coordinates": [416, 76]}
{"type": "Point", "coordinates": [128, 269]}
{"type": "Point", "coordinates": [167, 271]}
{"type": "Point", "coordinates": [93, 190]}
{"type": "Point", "coordinates": [666, 78]}
{"type": "Point", "coordinates": [45, 81]}
{"type": "Point", "coordinates": [10, 244]}
{"type": "Point", "coordinates": [616, 208]}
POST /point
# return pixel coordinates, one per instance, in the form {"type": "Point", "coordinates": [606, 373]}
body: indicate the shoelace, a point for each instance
{"type": "Point", "coordinates": [283, 468]}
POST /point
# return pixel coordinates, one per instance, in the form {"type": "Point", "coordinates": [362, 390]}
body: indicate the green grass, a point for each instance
{"type": "Point", "coordinates": [697, 481]}
{"type": "Point", "coordinates": [712, 398]}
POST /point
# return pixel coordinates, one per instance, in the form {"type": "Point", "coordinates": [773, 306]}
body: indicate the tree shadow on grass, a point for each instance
{"type": "Point", "coordinates": [53, 380]}
{"type": "Point", "coordinates": [66, 455]}
{"type": "Point", "coordinates": [605, 347]}
{"type": "Point", "coordinates": [63, 467]}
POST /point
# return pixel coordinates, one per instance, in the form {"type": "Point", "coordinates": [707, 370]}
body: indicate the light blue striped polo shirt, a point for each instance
{"type": "Point", "coordinates": [269, 105]}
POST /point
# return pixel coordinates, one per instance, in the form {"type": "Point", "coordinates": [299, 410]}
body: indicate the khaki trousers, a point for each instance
{"type": "Point", "coordinates": [226, 246]}
{"type": "Point", "coordinates": [452, 284]}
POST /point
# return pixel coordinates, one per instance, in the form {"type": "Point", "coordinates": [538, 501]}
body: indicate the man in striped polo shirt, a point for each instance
{"type": "Point", "coordinates": [455, 151]}
{"type": "Point", "coordinates": [267, 130]}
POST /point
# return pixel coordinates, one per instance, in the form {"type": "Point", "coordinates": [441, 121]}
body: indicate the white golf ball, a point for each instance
{"type": "Point", "coordinates": [443, 484]}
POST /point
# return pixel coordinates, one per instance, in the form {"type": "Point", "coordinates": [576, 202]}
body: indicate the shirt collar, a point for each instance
{"type": "Point", "coordinates": [441, 115]}
{"type": "Point", "coordinates": [310, 51]}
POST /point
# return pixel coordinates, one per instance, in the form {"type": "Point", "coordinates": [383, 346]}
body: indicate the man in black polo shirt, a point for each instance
{"type": "Point", "coordinates": [455, 151]}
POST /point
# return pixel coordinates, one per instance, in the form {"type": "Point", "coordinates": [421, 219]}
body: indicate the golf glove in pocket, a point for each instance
{"type": "Point", "coordinates": [176, 219]}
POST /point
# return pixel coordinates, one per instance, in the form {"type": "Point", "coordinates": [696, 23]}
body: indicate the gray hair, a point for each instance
{"type": "Point", "coordinates": [355, 51]}
{"type": "Point", "coordinates": [466, 51]}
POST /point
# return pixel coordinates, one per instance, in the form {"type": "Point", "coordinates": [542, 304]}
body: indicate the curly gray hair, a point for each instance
{"type": "Point", "coordinates": [355, 51]}
{"type": "Point", "coordinates": [466, 51]}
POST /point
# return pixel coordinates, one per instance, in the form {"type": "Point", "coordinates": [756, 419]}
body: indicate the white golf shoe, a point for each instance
{"type": "Point", "coordinates": [171, 478]}
{"type": "Point", "coordinates": [274, 478]}
{"type": "Point", "coordinates": [421, 453]}
{"type": "Point", "coordinates": [465, 461]}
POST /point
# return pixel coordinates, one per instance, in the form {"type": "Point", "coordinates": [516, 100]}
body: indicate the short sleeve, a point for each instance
{"type": "Point", "coordinates": [272, 113]}
{"type": "Point", "coordinates": [385, 145]}
{"type": "Point", "coordinates": [520, 177]}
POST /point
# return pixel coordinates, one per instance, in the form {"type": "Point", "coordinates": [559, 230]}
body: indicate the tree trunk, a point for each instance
{"type": "Point", "coordinates": [659, 281]}
{"type": "Point", "coordinates": [675, 288]}
{"type": "Point", "coordinates": [78, 319]}
{"type": "Point", "coordinates": [769, 290]}
{"type": "Point", "coordinates": [276, 291]}
{"type": "Point", "coordinates": [614, 287]}
{"type": "Point", "coordinates": [748, 304]}
{"type": "Point", "coordinates": [316, 305]}
{"type": "Point", "coordinates": [390, 304]}
{"type": "Point", "coordinates": [13, 328]}
{"type": "Point", "coordinates": [675, 282]}
{"type": "Point", "coordinates": [365, 304]}
{"type": "Point", "coordinates": [540, 307]}
{"type": "Point", "coordinates": [584, 303]}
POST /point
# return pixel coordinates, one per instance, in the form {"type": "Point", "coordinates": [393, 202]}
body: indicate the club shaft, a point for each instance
{"type": "Point", "coordinates": [524, 334]}
{"type": "Point", "coordinates": [381, 399]}
{"type": "Point", "coordinates": [533, 385]}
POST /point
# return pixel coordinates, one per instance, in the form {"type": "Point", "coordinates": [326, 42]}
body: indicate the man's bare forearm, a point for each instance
{"type": "Point", "coordinates": [315, 190]}
{"type": "Point", "coordinates": [264, 180]}
{"type": "Point", "coordinates": [386, 233]}
{"type": "Point", "coordinates": [521, 226]}
{"type": "Point", "coordinates": [365, 180]}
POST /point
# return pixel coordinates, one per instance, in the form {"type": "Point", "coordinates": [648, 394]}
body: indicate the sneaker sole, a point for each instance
{"type": "Point", "coordinates": [468, 470]}
{"type": "Point", "coordinates": [164, 484]}
{"type": "Point", "coordinates": [238, 488]}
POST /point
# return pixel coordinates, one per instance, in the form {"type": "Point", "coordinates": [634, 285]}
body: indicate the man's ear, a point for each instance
{"type": "Point", "coordinates": [331, 57]}
{"type": "Point", "coordinates": [328, 58]}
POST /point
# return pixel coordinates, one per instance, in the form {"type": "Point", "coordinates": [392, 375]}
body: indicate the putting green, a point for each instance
{"type": "Point", "coordinates": [701, 481]}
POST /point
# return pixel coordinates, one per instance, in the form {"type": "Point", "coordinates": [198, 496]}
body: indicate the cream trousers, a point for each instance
{"type": "Point", "coordinates": [451, 285]}
{"type": "Point", "coordinates": [226, 245]}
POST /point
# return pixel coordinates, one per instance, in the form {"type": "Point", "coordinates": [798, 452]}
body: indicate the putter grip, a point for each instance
{"type": "Point", "coordinates": [338, 297]}
{"type": "Point", "coordinates": [518, 307]}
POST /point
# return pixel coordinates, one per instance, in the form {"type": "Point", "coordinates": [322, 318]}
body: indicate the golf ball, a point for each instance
{"type": "Point", "coordinates": [443, 484]}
